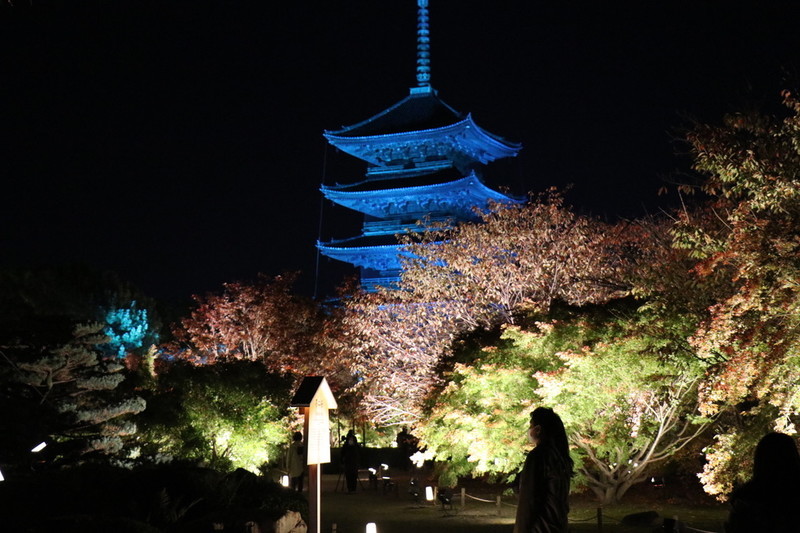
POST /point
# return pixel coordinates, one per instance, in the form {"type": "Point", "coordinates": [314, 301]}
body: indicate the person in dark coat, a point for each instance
{"type": "Point", "coordinates": [768, 503]}
{"type": "Point", "coordinates": [350, 460]}
{"type": "Point", "coordinates": [545, 477]}
{"type": "Point", "coordinates": [406, 446]}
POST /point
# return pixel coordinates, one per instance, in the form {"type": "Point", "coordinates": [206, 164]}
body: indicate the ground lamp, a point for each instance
{"type": "Point", "coordinates": [314, 398]}
{"type": "Point", "coordinates": [372, 528]}
{"type": "Point", "coordinates": [429, 493]}
{"type": "Point", "coordinates": [39, 447]}
{"type": "Point", "coordinates": [285, 481]}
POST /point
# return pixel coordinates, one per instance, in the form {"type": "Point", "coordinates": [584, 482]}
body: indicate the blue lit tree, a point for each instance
{"type": "Point", "coordinates": [128, 329]}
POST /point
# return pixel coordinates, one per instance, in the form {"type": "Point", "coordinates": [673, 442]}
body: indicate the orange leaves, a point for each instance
{"type": "Point", "coordinates": [752, 168]}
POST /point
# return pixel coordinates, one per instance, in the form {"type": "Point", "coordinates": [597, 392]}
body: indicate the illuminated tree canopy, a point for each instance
{"type": "Point", "coordinates": [748, 234]}
{"type": "Point", "coordinates": [518, 258]}
{"type": "Point", "coordinates": [627, 399]}
{"type": "Point", "coordinates": [230, 414]}
{"type": "Point", "coordinates": [260, 321]}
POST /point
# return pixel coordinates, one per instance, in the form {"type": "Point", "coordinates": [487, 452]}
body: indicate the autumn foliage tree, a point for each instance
{"type": "Point", "coordinates": [516, 260]}
{"type": "Point", "coordinates": [751, 335]}
{"type": "Point", "coordinates": [260, 321]}
{"type": "Point", "coordinates": [394, 347]}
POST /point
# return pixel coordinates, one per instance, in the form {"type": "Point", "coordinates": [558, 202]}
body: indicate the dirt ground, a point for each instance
{"type": "Point", "coordinates": [394, 510]}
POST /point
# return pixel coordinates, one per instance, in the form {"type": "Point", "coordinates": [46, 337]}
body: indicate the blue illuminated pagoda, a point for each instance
{"type": "Point", "coordinates": [425, 161]}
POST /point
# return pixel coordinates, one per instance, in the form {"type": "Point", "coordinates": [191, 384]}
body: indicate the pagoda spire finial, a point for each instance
{"type": "Point", "coordinates": [423, 45]}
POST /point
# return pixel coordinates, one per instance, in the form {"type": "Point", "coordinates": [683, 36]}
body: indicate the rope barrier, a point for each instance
{"type": "Point", "coordinates": [470, 496]}
{"type": "Point", "coordinates": [591, 518]}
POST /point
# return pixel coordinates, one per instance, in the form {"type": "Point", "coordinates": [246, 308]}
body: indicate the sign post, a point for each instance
{"type": "Point", "coordinates": [315, 399]}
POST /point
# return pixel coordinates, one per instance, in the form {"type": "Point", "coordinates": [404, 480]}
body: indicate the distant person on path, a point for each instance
{"type": "Point", "coordinates": [350, 460]}
{"type": "Point", "coordinates": [406, 446]}
{"type": "Point", "coordinates": [770, 501]}
{"type": "Point", "coordinates": [295, 462]}
{"type": "Point", "coordinates": [545, 477]}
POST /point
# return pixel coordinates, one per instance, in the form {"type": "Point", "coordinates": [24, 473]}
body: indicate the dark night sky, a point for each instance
{"type": "Point", "coordinates": [180, 143]}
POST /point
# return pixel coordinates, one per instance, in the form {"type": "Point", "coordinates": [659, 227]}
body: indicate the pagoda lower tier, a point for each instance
{"type": "Point", "coordinates": [380, 264]}
{"type": "Point", "coordinates": [392, 207]}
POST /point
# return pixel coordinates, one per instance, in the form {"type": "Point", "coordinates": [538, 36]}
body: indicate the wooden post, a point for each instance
{"type": "Point", "coordinates": [463, 497]}
{"type": "Point", "coordinates": [313, 494]}
{"type": "Point", "coordinates": [499, 504]}
{"type": "Point", "coordinates": [599, 519]}
{"type": "Point", "coordinates": [314, 497]}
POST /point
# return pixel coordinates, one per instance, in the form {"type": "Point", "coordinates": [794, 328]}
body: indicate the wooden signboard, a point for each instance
{"type": "Point", "coordinates": [318, 443]}
{"type": "Point", "coordinates": [315, 399]}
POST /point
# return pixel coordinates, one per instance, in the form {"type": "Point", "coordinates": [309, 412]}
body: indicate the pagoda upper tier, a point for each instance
{"type": "Point", "coordinates": [419, 130]}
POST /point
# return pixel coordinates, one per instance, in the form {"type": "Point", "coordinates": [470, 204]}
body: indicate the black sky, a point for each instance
{"type": "Point", "coordinates": [180, 143]}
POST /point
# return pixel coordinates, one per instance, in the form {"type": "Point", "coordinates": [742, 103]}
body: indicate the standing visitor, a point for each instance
{"type": "Point", "coordinates": [350, 460]}
{"type": "Point", "coordinates": [295, 462]}
{"type": "Point", "coordinates": [406, 446]}
{"type": "Point", "coordinates": [768, 503]}
{"type": "Point", "coordinates": [544, 481]}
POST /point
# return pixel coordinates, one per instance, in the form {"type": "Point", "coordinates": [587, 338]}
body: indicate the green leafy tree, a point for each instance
{"type": "Point", "coordinates": [476, 423]}
{"type": "Point", "coordinates": [627, 400]}
{"type": "Point", "coordinates": [626, 406]}
{"type": "Point", "coordinates": [226, 415]}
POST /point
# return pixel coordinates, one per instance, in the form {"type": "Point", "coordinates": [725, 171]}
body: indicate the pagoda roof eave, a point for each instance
{"type": "Point", "coordinates": [460, 195]}
{"type": "Point", "coordinates": [378, 257]}
{"type": "Point", "coordinates": [487, 145]}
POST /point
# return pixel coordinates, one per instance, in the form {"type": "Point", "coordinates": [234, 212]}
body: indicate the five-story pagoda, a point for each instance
{"type": "Point", "coordinates": [425, 162]}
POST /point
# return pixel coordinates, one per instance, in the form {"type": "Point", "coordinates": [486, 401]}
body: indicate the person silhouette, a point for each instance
{"type": "Point", "coordinates": [406, 446]}
{"type": "Point", "coordinates": [350, 460]}
{"type": "Point", "coordinates": [545, 477]}
{"type": "Point", "coordinates": [768, 502]}
{"type": "Point", "coordinates": [296, 464]}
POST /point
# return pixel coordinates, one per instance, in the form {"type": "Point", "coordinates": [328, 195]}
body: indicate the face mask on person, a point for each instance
{"type": "Point", "coordinates": [533, 434]}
